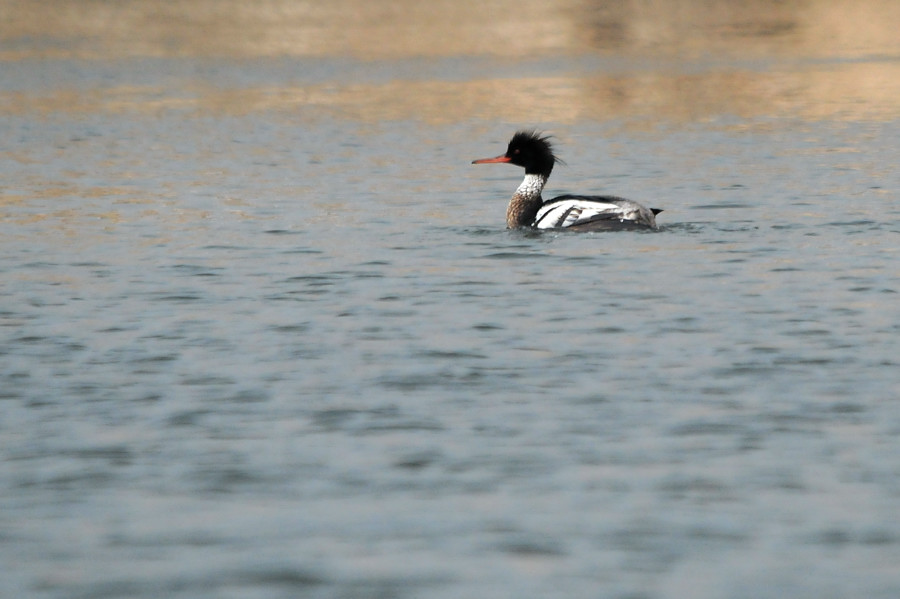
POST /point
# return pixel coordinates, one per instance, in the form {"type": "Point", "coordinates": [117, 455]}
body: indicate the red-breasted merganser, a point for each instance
{"type": "Point", "coordinates": [527, 208]}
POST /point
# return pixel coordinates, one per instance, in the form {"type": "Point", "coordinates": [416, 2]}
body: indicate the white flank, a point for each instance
{"type": "Point", "coordinates": [571, 212]}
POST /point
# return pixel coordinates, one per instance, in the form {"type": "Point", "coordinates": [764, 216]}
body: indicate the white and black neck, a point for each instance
{"type": "Point", "coordinates": [526, 202]}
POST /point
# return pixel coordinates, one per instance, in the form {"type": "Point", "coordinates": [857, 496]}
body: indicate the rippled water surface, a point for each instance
{"type": "Point", "coordinates": [263, 333]}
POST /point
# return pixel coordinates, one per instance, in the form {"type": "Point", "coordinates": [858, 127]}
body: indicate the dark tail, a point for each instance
{"type": "Point", "coordinates": [655, 211]}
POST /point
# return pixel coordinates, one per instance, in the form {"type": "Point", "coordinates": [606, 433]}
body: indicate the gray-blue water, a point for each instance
{"type": "Point", "coordinates": [263, 333]}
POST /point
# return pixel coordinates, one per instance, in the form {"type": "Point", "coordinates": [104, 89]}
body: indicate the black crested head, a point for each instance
{"type": "Point", "coordinates": [528, 149]}
{"type": "Point", "coordinates": [533, 151]}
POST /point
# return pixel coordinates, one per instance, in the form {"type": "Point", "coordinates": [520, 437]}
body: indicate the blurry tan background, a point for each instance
{"type": "Point", "coordinates": [400, 28]}
{"type": "Point", "coordinates": [680, 59]}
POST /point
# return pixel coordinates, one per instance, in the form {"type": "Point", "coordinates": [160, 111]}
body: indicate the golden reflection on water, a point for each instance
{"type": "Point", "coordinates": [840, 92]}
{"type": "Point", "coordinates": [680, 60]}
